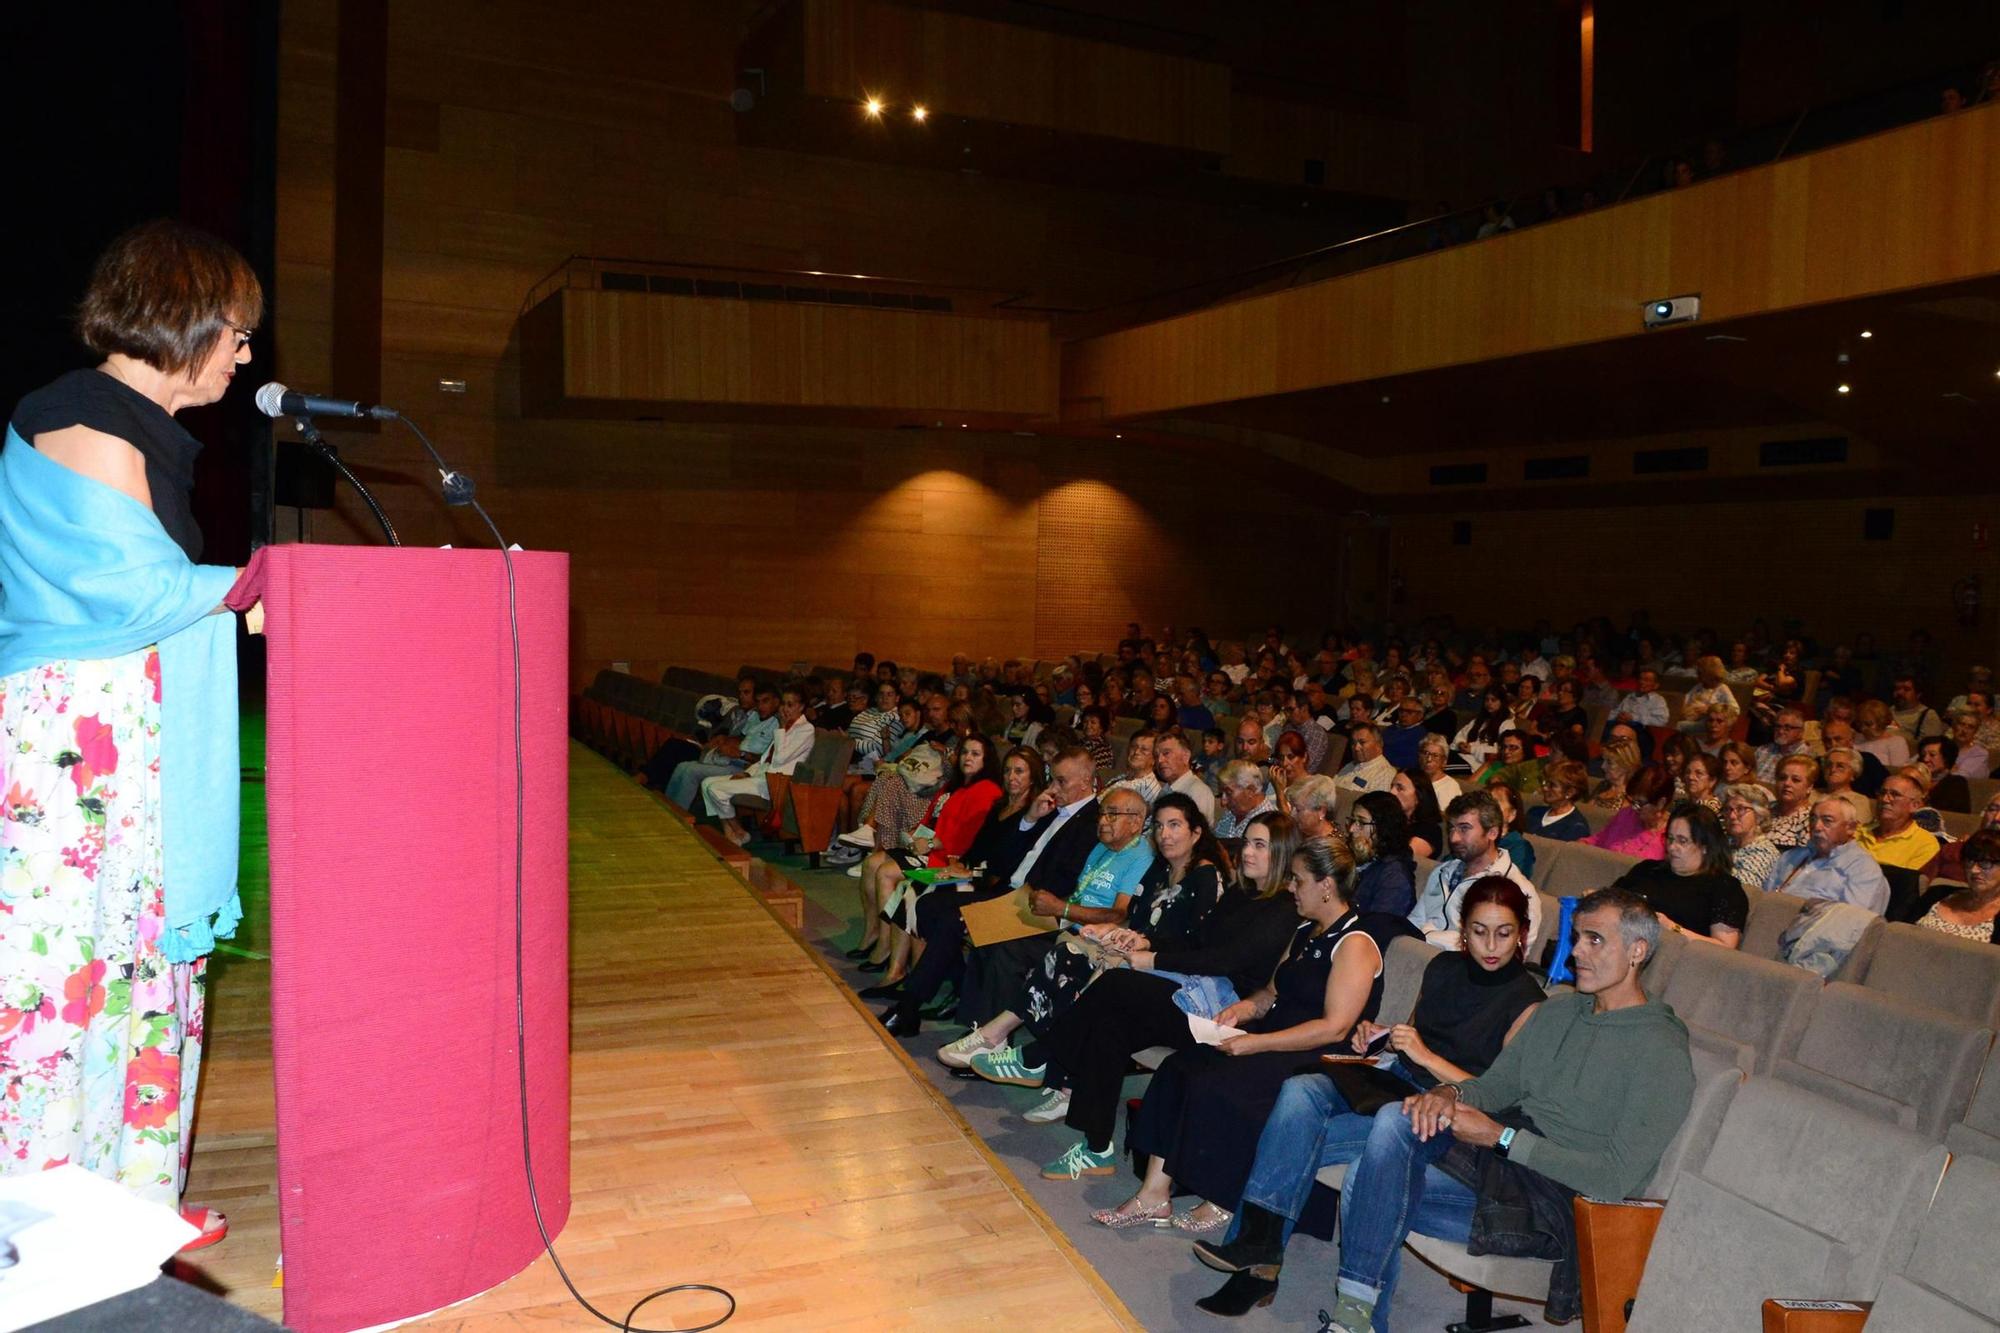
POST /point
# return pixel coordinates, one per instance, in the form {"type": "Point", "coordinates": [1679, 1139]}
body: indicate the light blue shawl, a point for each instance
{"type": "Point", "coordinates": [87, 572]}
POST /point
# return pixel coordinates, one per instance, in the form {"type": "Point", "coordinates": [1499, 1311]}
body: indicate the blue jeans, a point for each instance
{"type": "Point", "coordinates": [1309, 1128]}
{"type": "Point", "coordinates": [1392, 1189]}
{"type": "Point", "coordinates": [685, 785]}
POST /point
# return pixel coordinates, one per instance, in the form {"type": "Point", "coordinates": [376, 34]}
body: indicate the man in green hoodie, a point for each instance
{"type": "Point", "coordinates": [1602, 1074]}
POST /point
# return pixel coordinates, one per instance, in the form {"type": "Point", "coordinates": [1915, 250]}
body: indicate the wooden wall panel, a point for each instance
{"type": "Point", "coordinates": [1907, 208]}
{"type": "Point", "coordinates": [652, 347]}
{"type": "Point", "coordinates": [1773, 558]}
{"type": "Point", "coordinates": [963, 66]}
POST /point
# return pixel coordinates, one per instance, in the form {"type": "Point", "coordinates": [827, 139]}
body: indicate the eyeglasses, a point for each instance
{"type": "Point", "coordinates": [1103, 815]}
{"type": "Point", "coordinates": [1361, 823]}
{"type": "Point", "coordinates": [243, 335]}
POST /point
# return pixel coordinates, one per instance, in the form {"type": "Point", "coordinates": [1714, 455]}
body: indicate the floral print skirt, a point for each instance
{"type": "Point", "coordinates": [100, 1036]}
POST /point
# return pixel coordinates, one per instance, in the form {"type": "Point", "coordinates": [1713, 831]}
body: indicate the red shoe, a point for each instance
{"type": "Point", "coordinates": [214, 1226]}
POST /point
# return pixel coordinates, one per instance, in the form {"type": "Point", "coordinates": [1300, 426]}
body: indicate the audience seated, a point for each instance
{"type": "Point", "coordinates": [1645, 706]}
{"type": "Point", "coordinates": [1746, 818]}
{"type": "Point", "coordinates": [1378, 838]}
{"type": "Point", "coordinates": [1231, 951]}
{"type": "Point", "coordinates": [792, 744]}
{"type": "Point", "coordinates": [1469, 1005]}
{"type": "Point", "coordinates": [1244, 796]}
{"type": "Point", "coordinates": [1197, 1125]}
{"type": "Point", "coordinates": [1788, 737]}
{"type": "Point", "coordinates": [1878, 736]}
{"type": "Point", "coordinates": [1031, 976]}
{"type": "Point", "coordinates": [1508, 797]}
{"type": "Point", "coordinates": [1366, 769]}
{"type": "Point", "coordinates": [1640, 828]}
{"type": "Point", "coordinates": [1974, 762]}
{"type": "Point", "coordinates": [1433, 754]}
{"type": "Point", "coordinates": [1312, 802]}
{"type": "Point", "coordinates": [1473, 825]}
{"type": "Point", "coordinates": [1564, 783]}
{"type": "Point", "coordinates": [1139, 766]}
{"type": "Point", "coordinates": [753, 725]}
{"type": "Point", "coordinates": [1583, 1100]}
{"type": "Point", "coordinates": [1948, 864]}
{"type": "Point", "coordinates": [1702, 780]}
{"type": "Point", "coordinates": [1181, 885]}
{"type": "Point", "coordinates": [1968, 909]}
{"type": "Point", "coordinates": [1421, 813]}
{"type": "Point", "coordinates": [1895, 838]}
{"type": "Point", "coordinates": [1843, 884]}
{"type": "Point", "coordinates": [1173, 763]}
{"type": "Point", "coordinates": [968, 787]}
{"type": "Point", "coordinates": [1044, 852]}
{"type": "Point", "coordinates": [1694, 886]}
{"type": "Point", "coordinates": [1711, 694]}
{"type": "Point", "coordinates": [1944, 787]}
{"type": "Point", "coordinates": [1478, 741]}
{"type": "Point", "coordinates": [1791, 802]}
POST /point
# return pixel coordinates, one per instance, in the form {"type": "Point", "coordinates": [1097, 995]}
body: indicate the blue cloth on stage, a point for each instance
{"type": "Point", "coordinates": [88, 573]}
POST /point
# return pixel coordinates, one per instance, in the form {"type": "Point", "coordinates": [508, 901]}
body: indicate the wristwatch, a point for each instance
{"type": "Point", "coordinates": [1506, 1140]}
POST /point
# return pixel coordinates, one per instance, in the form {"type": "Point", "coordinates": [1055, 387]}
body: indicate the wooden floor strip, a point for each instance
{"type": "Point", "coordinates": [737, 1118]}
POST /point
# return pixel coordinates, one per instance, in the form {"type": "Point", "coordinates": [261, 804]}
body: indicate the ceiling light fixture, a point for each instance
{"type": "Point", "coordinates": [921, 113]}
{"type": "Point", "coordinates": [1841, 389]}
{"type": "Point", "coordinates": [873, 106]}
{"type": "Point", "coordinates": [1866, 333]}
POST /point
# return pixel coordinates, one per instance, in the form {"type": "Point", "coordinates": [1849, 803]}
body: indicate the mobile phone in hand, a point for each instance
{"type": "Point", "coordinates": [1378, 1041]}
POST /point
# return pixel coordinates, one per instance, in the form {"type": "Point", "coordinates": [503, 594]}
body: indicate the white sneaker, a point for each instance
{"type": "Point", "coordinates": [861, 837]}
{"type": "Point", "coordinates": [854, 871]}
{"type": "Point", "coordinates": [1053, 1106]}
{"type": "Point", "coordinates": [958, 1055]}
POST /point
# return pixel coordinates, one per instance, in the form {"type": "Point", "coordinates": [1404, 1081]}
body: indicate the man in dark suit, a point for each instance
{"type": "Point", "coordinates": [1049, 846]}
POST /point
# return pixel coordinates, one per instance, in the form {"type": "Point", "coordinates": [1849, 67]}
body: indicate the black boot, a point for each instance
{"type": "Point", "coordinates": [902, 1020]}
{"type": "Point", "coordinates": [1245, 1291]}
{"type": "Point", "coordinates": [1259, 1243]}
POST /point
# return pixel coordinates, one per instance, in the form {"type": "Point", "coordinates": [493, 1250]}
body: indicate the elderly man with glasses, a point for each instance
{"type": "Point", "coordinates": [1896, 839]}
{"type": "Point", "coordinates": [1788, 737]}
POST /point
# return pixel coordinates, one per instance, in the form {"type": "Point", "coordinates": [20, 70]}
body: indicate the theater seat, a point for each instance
{"type": "Point", "coordinates": [1770, 913]}
{"type": "Point", "coordinates": [1798, 1197]}
{"type": "Point", "coordinates": [1748, 1010]}
{"type": "Point", "coordinates": [1950, 1283]}
{"type": "Point", "coordinates": [1979, 1132]}
{"type": "Point", "coordinates": [1909, 1064]}
{"type": "Point", "coordinates": [1582, 869]}
{"type": "Point", "coordinates": [1927, 967]}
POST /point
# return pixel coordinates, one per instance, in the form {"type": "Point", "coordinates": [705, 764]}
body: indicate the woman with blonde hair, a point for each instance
{"type": "Point", "coordinates": [1711, 694]}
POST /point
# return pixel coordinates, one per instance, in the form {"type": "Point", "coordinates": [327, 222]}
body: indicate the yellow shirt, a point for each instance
{"type": "Point", "coordinates": [1912, 849]}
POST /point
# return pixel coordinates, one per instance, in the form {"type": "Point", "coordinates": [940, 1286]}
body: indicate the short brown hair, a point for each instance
{"type": "Point", "coordinates": [163, 293]}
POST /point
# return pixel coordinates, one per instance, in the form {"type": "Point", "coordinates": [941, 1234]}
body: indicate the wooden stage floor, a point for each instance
{"type": "Point", "coordinates": [737, 1118]}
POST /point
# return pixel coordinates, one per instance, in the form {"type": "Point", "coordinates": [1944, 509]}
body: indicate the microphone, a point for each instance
{"type": "Point", "coordinates": [275, 400]}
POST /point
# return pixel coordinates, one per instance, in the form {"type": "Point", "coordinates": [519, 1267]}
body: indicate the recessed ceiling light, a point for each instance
{"type": "Point", "coordinates": [1116, 436]}
{"type": "Point", "coordinates": [1866, 333]}
{"type": "Point", "coordinates": [873, 106]}
{"type": "Point", "coordinates": [1385, 397]}
{"type": "Point", "coordinates": [920, 113]}
{"type": "Point", "coordinates": [1842, 389]}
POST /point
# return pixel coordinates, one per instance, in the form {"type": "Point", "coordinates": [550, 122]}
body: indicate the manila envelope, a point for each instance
{"type": "Point", "coordinates": [997, 920]}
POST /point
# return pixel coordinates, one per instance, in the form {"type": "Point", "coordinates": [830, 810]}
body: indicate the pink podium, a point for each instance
{"type": "Point", "coordinates": [391, 793]}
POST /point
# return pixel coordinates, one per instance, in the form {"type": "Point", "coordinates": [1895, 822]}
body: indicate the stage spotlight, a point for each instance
{"type": "Point", "coordinates": [920, 113]}
{"type": "Point", "coordinates": [873, 106]}
{"type": "Point", "coordinates": [1671, 310]}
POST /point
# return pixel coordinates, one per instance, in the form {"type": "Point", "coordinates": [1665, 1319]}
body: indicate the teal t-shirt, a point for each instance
{"type": "Point", "coordinates": [1107, 873]}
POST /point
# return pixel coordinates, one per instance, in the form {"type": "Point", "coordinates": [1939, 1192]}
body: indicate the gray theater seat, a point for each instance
{"type": "Point", "coordinates": [1950, 1283]}
{"type": "Point", "coordinates": [1928, 967]}
{"type": "Point", "coordinates": [1905, 1063]}
{"type": "Point", "coordinates": [1978, 1133]}
{"type": "Point", "coordinates": [1750, 1010]}
{"type": "Point", "coordinates": [1798, 1197]}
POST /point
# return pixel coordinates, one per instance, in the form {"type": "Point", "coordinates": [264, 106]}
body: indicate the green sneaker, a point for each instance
{"type": "Point", "coordinates": [1350, 1314]}
{"type": "Point", "coordinates": [1006, 1066]}
{"type": "Point", "coordinates": [1080, 1161]}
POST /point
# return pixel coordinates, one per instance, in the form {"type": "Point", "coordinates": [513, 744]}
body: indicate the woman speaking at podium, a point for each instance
{"type": "Point", "coordinates": [118, 752]}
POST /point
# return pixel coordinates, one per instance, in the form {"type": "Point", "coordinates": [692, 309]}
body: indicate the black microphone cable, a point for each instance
{"type": "Point", "coordinates": [458, 490]}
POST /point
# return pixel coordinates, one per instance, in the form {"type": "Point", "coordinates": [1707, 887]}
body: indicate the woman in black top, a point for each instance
{"type": "Point", "coordinates": [1421, 812]}
{"type": "Point", "coordinates": [1175, 895]}
{"type": "Point", "coordinates": [1470, 1004]}
{"type": "Point", "coordinates": [1378, 833]}
{"type": "Point", "coordinates": [1694, 888]}
{"type": "Point", "coordinates": [1199, 1121]}
{"type": "Point", "coordinates": [1086, 1050]}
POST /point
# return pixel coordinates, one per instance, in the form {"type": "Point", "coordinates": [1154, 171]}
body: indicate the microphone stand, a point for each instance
{"type": "Point", "coordinates": [309, 434]}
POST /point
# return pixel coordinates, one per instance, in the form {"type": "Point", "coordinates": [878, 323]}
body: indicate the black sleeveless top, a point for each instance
{"type": "Point", "coordinates": [97, 400]}
{"type": "Point", "coordinates": [1301, 978]}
